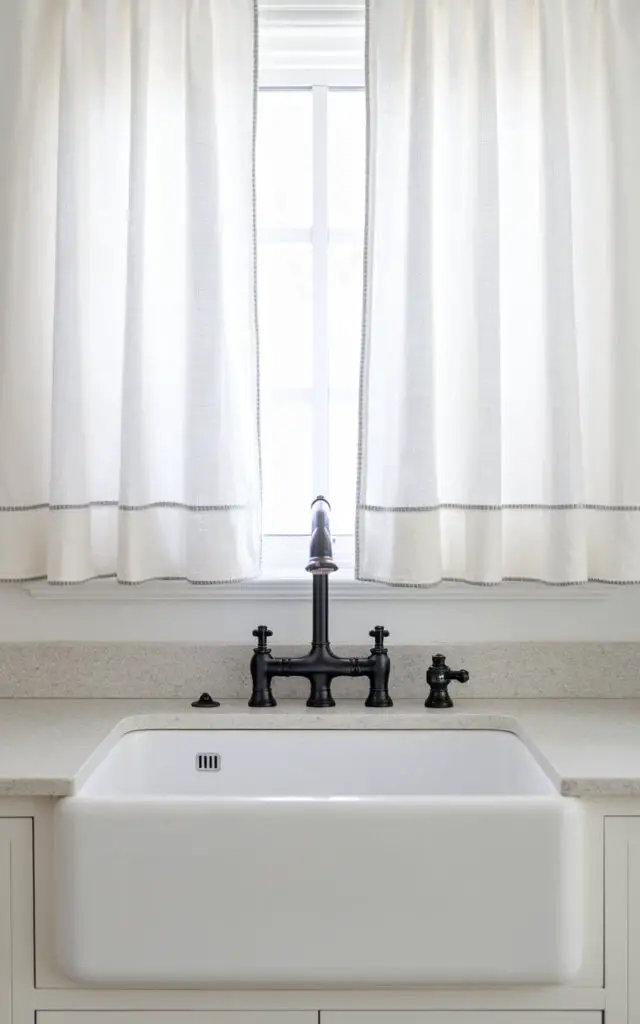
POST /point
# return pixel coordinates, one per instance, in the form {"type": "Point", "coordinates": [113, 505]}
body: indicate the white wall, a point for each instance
{"type": "Point", "coordinates": [473, 616]}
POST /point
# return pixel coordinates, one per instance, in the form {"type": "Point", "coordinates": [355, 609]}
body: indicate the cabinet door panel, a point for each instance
{"type": "Point", "coordinates": [462, 1017]}
{"type": "Point", "coordinates": [16, 916]}
{"type": "Point", "coordinates": [5, 929]}
{"type": "Point", "coordinates": [175, 1017]}
{"type": "Point", "coordinates": [622, 920]}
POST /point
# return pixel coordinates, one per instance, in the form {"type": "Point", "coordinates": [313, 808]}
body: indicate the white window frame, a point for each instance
{"type": "Point", "coordinates": [318, 46]}
{"type": "Point", "coordinates": [285, 554]}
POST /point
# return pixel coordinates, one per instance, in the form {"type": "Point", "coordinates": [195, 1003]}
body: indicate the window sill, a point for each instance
{"type": "Point", "coordinates": [298, 587]}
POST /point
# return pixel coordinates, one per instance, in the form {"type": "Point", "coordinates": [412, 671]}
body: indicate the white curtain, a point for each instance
{"type": "Point", "coordinates": [500, 413]}
{"type": "Point", "coordinates": [128, 363]}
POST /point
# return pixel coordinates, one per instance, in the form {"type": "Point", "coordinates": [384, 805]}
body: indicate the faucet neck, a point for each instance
{"type": "Point", "coordinates": [320, 610]}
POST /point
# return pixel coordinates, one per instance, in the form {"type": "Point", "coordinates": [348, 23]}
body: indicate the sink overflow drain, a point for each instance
{"type": "Point", "coordinates": [208, 762]}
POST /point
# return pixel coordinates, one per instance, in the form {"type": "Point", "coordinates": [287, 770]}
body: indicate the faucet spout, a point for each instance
{"type": "Point", "coordinates": [321, 545]}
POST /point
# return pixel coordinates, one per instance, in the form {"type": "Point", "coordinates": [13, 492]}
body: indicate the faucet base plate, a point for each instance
{"type": "Point", "coordinates": [321, 702]}
{"type": "Point", "coordinates": [379, 701]}
{"type": "Point", "coordinates": [262, 701]}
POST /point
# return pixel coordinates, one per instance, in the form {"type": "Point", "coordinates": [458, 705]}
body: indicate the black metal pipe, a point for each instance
{"type": "Point", "coordinates": [320, 636]}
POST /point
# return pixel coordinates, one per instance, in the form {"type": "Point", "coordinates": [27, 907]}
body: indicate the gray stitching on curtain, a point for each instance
{"type": "Point", "coordinates": [123, 507]}
{"type": "Point", "coordinates": [128, 583]}
{"type": "Point", "coordinates": [500, 508]}
{"type": "Point", "coordinates": [365, 579]}
{"type": "Point", "coordinates": [497, 583]}
{"type": "Point", "coordinates": [254, 203]}
{"type": "Point", "coordinates": [151, 579]}
{"type": "Point", "coordinates": [23, 579]}
{"type": "Point", "coordinates": [365, 282]}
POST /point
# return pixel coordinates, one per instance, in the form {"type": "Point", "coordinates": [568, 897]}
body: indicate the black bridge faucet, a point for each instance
{"type": "Point", "coordinates": [320, 666]}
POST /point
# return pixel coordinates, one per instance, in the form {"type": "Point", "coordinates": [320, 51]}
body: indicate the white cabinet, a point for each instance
{"type": "Point", "coordinates": [176, 1017]}
{"type": "Point", "coordinates": [16, 916]}
{"type": "Point", "coordinates": [622, 920]}
{"type": "Point", "coordinates": [5, 927]}
{"type": "Point", "coordinates": [462, 1017]}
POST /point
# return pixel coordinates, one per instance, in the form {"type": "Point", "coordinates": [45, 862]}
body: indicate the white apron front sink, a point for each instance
{"type": "Point", "coordinates": [327, 857]}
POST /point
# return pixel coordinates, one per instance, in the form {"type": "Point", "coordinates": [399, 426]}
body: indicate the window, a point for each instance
{"type": "Point", "coordinates": [311, 191]}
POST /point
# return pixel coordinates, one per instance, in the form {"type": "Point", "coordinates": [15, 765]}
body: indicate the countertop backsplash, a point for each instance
{"type": "Point", "coordinates": [172, 670]}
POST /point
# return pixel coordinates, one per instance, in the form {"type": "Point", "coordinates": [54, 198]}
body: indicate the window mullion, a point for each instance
{"type": "Point", "coordinates": [320, 243]}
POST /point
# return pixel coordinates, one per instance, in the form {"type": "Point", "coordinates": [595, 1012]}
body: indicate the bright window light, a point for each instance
{"type": "Point", "coordinates": [310, 189]}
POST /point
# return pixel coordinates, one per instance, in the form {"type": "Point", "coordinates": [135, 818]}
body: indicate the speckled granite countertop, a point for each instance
{"type": "Point", "coordinates": [590, 748]}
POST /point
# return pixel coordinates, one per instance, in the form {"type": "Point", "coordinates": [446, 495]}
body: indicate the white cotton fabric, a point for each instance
{"type": "Point", "coordinates": [500, 432]}
{"type": "Point", "coordinates": [128, 352]}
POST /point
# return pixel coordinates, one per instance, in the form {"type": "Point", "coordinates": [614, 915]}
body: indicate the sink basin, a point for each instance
{"type": "Point", "coordinates": [318, 857]}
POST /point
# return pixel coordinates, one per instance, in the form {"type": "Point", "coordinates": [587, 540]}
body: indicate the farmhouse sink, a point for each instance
{"type": "Point", "coordinates": [318, 857]}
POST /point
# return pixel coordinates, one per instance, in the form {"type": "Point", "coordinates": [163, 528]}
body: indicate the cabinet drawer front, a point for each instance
{"type": "Point", "coordinates": [462, 1017]}
{"type": "Point", "coordinates": [175, 1017]}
